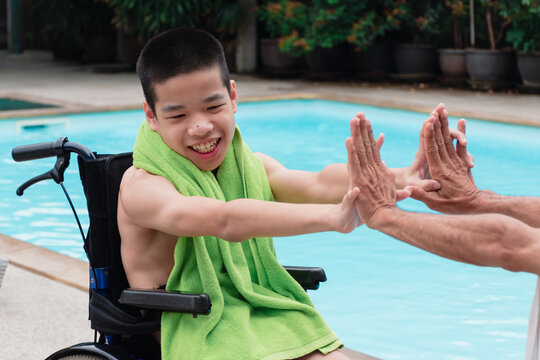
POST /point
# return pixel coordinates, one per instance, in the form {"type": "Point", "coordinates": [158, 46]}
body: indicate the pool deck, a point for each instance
{"type": "Point", "coordinates": [43, 296]}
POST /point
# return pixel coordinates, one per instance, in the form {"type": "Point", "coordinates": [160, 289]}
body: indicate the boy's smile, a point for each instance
{"type": "Point", "coordinates": [195, 116]}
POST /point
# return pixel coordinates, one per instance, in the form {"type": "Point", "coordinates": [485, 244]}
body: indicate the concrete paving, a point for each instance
{"type": "Point", "coordinates": [43, 296]}
{"type": "Point", "coordinates": [35, 76]}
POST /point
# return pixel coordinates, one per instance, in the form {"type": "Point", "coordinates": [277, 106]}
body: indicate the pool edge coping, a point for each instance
{"type": "Point", "coordinates": [45, 262]}
{"type": "Point", "coordinates": [67, 108]}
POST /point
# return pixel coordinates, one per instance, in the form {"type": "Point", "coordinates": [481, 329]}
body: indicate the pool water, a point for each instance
{"type": "Point", "coordinates": [383, 297]}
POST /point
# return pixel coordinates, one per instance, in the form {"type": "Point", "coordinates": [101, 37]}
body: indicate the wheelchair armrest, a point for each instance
{"type": "Point", "coordinates": [161, 299]}
{"type": "Point", "coordinates": [308, 277]}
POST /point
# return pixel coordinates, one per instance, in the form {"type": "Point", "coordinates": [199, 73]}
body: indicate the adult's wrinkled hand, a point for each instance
{"type": "Point", "coordinates": [448, 166]}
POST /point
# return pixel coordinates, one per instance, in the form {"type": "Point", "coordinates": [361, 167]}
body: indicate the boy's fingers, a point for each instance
{"type": "Point", "coordinates": [429, 185]}
{"type": "Point", "coordinates": [417, 193]}
{"type": "Point", "coordinates": [380, 141]}
{"type": "Point", "coordinates": [353, 164]}
{"type": "Point", "coordinates": [402, 194]}
{"type": "Point", "coordinates": [461, 148]}
{"type": "Point", "coordinates": [461, 126]}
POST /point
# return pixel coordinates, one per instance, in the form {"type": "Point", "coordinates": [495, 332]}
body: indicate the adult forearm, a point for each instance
{"type": "Point", "coordinates": [487, 239]}
{"type": "Point", "coordinates": [523, 208]}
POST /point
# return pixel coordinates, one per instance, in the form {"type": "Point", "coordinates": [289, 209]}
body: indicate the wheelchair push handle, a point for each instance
{"type": "Point", "coordinates": [61, 148]}
{"type": "Point", "coordinates": [38, 151]}
{"type": "Point", "coordinates": [50, 149]}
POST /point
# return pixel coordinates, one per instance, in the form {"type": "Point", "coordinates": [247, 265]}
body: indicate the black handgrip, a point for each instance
{"type": "Point", "coordinates": [38, 151]}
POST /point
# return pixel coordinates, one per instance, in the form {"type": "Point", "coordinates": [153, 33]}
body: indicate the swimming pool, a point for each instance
{"type": "Point", "coordinates": [383, 297]}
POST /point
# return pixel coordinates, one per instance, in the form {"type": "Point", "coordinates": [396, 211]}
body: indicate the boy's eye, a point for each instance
{"type": "Point", "coordinates": [215, 107]}
{"type": "Point", "coordinates": [177, 116]}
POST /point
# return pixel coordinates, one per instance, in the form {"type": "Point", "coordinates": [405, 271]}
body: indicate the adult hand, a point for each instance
{"type": "Point", "coordinates": [368, 173]}
{"type": "Point", "coordinates": [417, 174]}
{"type": "Point", "coordinates": [449, 166]}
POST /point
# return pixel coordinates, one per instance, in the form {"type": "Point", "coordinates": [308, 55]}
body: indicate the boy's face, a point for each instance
{"type": "Point", "coordinates": [195, 116]}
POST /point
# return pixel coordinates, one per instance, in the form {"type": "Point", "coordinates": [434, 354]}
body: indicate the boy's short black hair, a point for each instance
{"type": "Point", "coordinates": [179, 51]}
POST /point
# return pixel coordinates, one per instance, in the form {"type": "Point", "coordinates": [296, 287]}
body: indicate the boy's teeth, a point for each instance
{"type": "Point", "coordinates": [205, 147]}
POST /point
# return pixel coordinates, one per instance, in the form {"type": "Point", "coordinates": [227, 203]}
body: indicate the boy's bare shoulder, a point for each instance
{"type": "Point", "coordinates": [270, 164]}
{"type": "Point", "coordinates": [139, 180]}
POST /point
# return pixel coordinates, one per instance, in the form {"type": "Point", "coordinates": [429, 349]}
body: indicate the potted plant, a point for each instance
{"type": "Point", "coordinates": [65, 22]}
{"type": "Point", "coordinates": [524, 35]}
{"type": "Point", "coordinates": [140, 20]}
{"type": "Point", "coordinates": [417, 58]}
{"type": "Point", "coordinates": [452, 59]}
{"type": "Point", "coordinates": [100, 35]}
{"type": "Point", "coordinates": [326, 35]}
{"type": "Point", "coordinates": [280, 19]}
{"type": "Point", "coordinates": [494, 67]}
{"type": "Point", "coordinates": [370, 54]}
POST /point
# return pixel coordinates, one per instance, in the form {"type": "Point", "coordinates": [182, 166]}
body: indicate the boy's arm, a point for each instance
{"type": "Point", "coordinates": [325, 187]}
{"type": "Point", "coordinates": [152, 202]}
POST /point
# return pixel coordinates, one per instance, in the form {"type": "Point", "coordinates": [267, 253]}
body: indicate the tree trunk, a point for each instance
{"type": "Point", "coordinates": [489, 22]}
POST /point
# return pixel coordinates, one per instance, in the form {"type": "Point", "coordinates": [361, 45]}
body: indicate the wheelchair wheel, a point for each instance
{"type": "Point", "coordinates": [82, 357]}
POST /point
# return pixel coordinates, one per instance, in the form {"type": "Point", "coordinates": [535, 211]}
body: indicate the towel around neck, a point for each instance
{"type": "Point", "coordinates": [258, 310]}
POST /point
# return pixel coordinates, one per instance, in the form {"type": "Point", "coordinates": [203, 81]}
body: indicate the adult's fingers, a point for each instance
{"type": "Point", "coordinates": [445, 130]}
{"type": "Point", "coordinates": [359, 148]}
{"type": "Point", "coordinates": [430, 146]}
{"type": "Point", "coordinates": [439, 139]}
{"type": "Point", "coordinates": [364, 132]}
{"type": "Point", "coordinates": [373, 143]}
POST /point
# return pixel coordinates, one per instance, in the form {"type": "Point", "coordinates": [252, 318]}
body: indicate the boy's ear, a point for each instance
{"type": "Point", "coordinates": [150, 116]}
{"type": "Point", "coordinates": [234, 96]}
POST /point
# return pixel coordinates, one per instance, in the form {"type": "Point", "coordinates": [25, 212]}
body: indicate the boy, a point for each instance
{"type": "Point", "coordinates": [197, 209]}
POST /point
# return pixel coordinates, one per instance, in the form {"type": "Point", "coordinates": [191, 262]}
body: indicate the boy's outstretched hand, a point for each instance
{"type": "Point", "coordinates": [369, 173]}
{"type": "Point", "coordinates": [449, 166]}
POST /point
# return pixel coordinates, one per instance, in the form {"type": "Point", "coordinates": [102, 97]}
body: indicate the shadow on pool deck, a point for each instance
{"type": "Point", "coordinates": [39, 316]}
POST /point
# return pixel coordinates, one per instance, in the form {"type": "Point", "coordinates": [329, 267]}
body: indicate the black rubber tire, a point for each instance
{"type": "Point", "coordinates": [82, 357]}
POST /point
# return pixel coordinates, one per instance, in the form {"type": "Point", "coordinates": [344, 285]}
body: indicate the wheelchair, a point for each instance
{"type": "Point", "coordinates": [121, 332]}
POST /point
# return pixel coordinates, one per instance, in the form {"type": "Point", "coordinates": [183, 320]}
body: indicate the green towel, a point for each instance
{"type": "Point", "coordinates": [258, 310]}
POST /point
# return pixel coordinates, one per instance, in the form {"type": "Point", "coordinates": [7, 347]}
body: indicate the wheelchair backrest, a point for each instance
{"type": "Point", "coordinates": [101, 183]}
